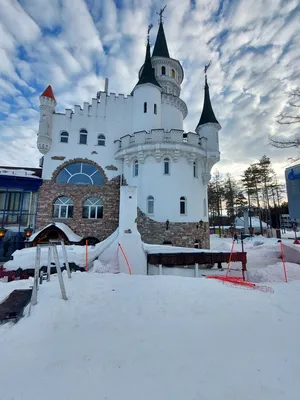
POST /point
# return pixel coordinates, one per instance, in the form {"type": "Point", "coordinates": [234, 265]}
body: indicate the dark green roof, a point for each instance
{"type": "Point", "coordinates": [208, 114]}
{"type": "Point", "coordinates": [147, 75]}
{"type": "Point", "coordinates": [161, 47]}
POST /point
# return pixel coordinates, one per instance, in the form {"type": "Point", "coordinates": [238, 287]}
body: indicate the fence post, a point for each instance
{"type": "Point", "coordinates": [59, 274]}
{"type": "Point", "coordinates": [196, 270]}
{"type": "Point", "coordinates": [160, 269]}
{"type": "Point", "coordinates": [36, 276]}
{"type": "Point", "coordinates": [64, 251]}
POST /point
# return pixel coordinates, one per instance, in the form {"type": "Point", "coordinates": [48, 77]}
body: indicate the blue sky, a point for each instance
{"type": "Point", "coordinates": [74, 44]}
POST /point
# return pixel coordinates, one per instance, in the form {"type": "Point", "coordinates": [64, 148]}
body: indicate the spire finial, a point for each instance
{"type": "Point", "coordinates": [148, 32]}
{"type": "Point", "coordinates": [206, 68]}
{"type": "Point", "coordinates": [161, 14]}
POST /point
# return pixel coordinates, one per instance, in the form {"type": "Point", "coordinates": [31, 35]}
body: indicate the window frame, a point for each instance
{"type": "Point", "coordinates": [195, 169]}
{"type": "Point", "coordinates": [183, 202]}
{"type": "Point", "coordinates": [145, 107]}
{"type": "Point", "coordinates": [83, 133]}
{"type": "Point", "coordinates": [163, 70]}
{"type": "Point", "coordinates": [64, 135]}
{"type": "Point", "coordinates": [167, 164]}
{"type": "Point", "coordinates": [150, 201]}
{"type": "Point", "coordinates": [68, 205]}
{"type": "Point", "coordinates": [136, 168]}
{"type": "Point", "coordinates": [155, 108]}
{"type": "Point", "coordinates": [93, 205]}
{"type": "Point", "coordinates": [101, 138]}
{"type": "Point", "coordinates": [66, 175]}
{"type": "Point", "coordinates": [173, 73]}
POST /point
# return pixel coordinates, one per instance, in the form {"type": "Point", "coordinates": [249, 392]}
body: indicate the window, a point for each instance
{"type": "Point", "coordinates": [136, 168]}
{"type": "Point", "coordinates": [80, 173]}
{"type": "Point", "coordinates": [155, 108]}
{"type": "Point", "coordinates": [195, 170]}
{"type": "Point", "coordinates": [150, 205]}
{"type": "Point", "coordinates": [167, 166]}
{"type": "Point", "coordinates": [182, 205]}
{"type": "Point", "coordinates": [83, 136]}
{"type": "Point", "coordinates": [92, 208]}
{"type": "Point", "coordinates": [173, 73]}
{"type": "Point", "coordinates": [63, 208]}
{"type": "Point", "coordinates": [163, 70]}
{"type": "Point", "coordinates": [145, 107]}
{"type": "Point", "coordinates": [64, 137]}
{"type": "Point", "coordinates": [101, 140]}
{"type": "Point", "coordinates": [16, 207]}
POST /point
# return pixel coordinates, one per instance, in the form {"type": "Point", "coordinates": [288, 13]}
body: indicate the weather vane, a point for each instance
{"type": "Point", "coordinates": [148, 32]}
{"type": "Point", "coordinates": [161, 13]}
{"type": "Point", "coordinates": [206, 67]}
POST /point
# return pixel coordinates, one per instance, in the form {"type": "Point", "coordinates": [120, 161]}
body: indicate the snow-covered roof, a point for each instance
{"type": "Point", "coordinates": [73, 237]}
{"type": "Point", "coordinates": [15, 171]}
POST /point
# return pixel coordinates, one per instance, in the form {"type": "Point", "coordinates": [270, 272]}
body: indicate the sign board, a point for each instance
{"type": "Point", "coordinates": [292, 177]}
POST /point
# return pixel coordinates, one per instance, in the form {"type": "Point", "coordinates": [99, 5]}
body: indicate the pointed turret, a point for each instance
{"type": "Point", "coordinates": [161, 47]}
{"type": "Point", "coordinates": [47, 109]}
{"type": "Point", "coordinates": [208, 115]}
{"type": "Point", "coordinates": [48, 92]}
{"type": "Point", "coordinates": [147, 74]}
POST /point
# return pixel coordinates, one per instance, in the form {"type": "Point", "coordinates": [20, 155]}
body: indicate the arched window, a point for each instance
{"type": "Point", "coordinates": [167, 166]}
{"type": "Point", "coordinates": [80, 173]}
{"type": "Point", "coordinates": [92, 208]}
{"type": "Point", "coordinates": [64, 137]}
{"type": "Point", "coordinates": [182, 205]}
{"type": "Point", "coordinates": [63, 208]}
{"type": "Point", "coordinates": [173, 73]}
{"type": "Point", "coordinates": [195, 169]}
{"type": "Point", "coordinates": [155, 108]}
{"type": "Point", "coordinates": [136, 168]}
{"type": "Point", "coordinates": [163, 70]}
{"type": "Point", "coordinates": [150, 205]}
{"type": "Point", "coordinates": [83, 136]}
{"type": "Point", "coordinates": [101, 140]}
{"type": "Point", "coordinates": [145, 107]}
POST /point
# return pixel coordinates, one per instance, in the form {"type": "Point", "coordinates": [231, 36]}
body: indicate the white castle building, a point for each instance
{"type": "Point", "coordinates": [135, 140]}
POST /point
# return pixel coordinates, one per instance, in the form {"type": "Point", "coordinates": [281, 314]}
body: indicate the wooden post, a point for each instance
{"type": "Point", "coordinates": [36, 276]}
{"type": "Point", "coordinates": [59, 274]}
{"type": "Point", "coordinates": [49, 264]}
{"type": "Point", "coordinates": [63, 247]}
{"type": "Point", "coordinates": [160, 269]}
{"type": "Point", "coordinates": [196, 270]}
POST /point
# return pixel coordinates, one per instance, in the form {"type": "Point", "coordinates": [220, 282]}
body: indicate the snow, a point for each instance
{"type": "Point", "coordinates": [18, 172]}
{"type": "Point", "coordinates": [140, 337]}
{"type": "Point", "coordinates": [63, 227]}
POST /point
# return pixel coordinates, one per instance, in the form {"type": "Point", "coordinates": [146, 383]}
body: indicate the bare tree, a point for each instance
{"type": "Point", "coordinates": [289, 118]}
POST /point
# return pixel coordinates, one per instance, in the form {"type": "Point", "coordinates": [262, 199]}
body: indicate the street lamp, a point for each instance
{"type": "Point", "coordinates": [2, 232]}
{"type": "Point", "coordinates": [28, 232]}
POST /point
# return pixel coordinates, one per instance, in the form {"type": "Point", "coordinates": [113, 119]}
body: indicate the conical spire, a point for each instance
{"type": "Point", "coordinates": [161, 47]}
{"type": "Point", "coordinates": [48, 92]}
{"type": "Point", "coordinates": [147, 75]}
{"type": "Point", "coordinates": [208, 114]}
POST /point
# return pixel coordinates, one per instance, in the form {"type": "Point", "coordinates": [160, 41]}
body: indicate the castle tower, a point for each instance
{"type": "Point", "coordinates": [208, 125]}
{"type": "Point", "coordinates": [147, 97]}
{"type": "Point", "coordinates": [47, 108]}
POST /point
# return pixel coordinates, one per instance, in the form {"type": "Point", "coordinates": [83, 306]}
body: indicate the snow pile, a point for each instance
{"type": "Point", "coordinates": [138, 337]}
{"type": "Point", "coordinates": [274, 273]}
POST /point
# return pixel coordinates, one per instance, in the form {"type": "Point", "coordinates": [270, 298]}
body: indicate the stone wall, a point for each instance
{"type": "Point", "coordinates": [98, 228]}
{"type": "Point", "coordinates": [179, 233]}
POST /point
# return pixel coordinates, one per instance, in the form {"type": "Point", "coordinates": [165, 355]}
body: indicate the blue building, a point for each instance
{"type": "Point", "coordinates": [18, 206]}
{"type": "Point", "coordinates": [292, 177]}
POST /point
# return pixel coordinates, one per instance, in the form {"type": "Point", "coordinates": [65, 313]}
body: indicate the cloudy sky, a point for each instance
{"type": "Point", "coordinates": [74, 44]}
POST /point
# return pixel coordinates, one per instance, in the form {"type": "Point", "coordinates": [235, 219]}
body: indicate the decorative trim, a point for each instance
{"type": "Point", "coordinates": [59, 158]}
{"type": "Point", "coordinates": [111, 168]}
{"type": "Point", "coordinates": [176, 102]}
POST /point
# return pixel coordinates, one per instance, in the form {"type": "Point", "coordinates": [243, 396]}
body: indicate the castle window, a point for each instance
{"type": "Point", "coordinates": [80, 174]}
{"type": "Point", "coordinates": [63, 208]}
{"type": "Point", "coordinates": [145, 107]}
{"type": "Point", "coordinates": [182, 205]}
{"type": "Point", "coordinates": [136, 168]}
{"type": "Point", "coordinates": [92, 208]}
{"type": "Point", "coordinates": [173, 73]}
{"type": "Point", "coordinates": [101, 140]}
{"type": "Point", "coordinates": [167, 166]}
{"type": "Point", "coordinates": [150, 205]}
{"type": "Point", "coordinates": [83, 136]}
{"type": "Point", "coordinates": [195, 169]}
{"type": "Point", "coordinates": [64, 137]}
{"type": "Point", "coordinates": [155, 108]}
{"type": "Point", "coordinates": [163, 70]}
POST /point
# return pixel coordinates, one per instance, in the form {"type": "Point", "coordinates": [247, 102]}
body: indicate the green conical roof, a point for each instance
{"type": "Point", "coordinates": [161, 47]}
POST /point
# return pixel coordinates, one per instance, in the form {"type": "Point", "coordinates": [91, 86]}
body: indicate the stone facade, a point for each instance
{"type": "Point", "coordinates": [98, 228]}
{"type": "Point", "coordinates": [178, 233]}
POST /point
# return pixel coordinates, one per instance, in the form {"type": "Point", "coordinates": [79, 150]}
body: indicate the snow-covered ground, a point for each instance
{"type": "Point", "coordinates": [159, 337]}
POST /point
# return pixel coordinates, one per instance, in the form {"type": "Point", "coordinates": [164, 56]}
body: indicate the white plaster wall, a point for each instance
{"type": "Point", "coordinates": [171, 117]}
{"type": "Point", "coordinates": [210, 131]}
{"type": "Point", "coordinates": [146, 121]}
{"type": "Point", "coordinates": [111, 117]}
{"type": "Point", "coordinates": [129, 237]}
{"type": "Point", "coordinates": [167, 189]}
